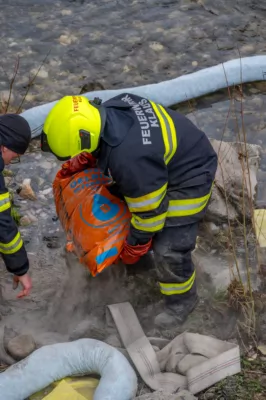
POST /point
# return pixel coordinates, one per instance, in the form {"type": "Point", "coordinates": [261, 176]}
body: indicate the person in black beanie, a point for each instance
{"type": "Point", "coordinates": [15, 135]}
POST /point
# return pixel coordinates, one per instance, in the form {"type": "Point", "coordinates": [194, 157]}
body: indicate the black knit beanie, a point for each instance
{"type": "Point", "coordinates": [15, 133]}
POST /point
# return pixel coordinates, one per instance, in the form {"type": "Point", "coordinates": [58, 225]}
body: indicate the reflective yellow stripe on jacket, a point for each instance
{"type": "Point", "coordinates": [13, 246]}
{"type": "Point", "coordinates": [183, 208]}
{"type": "Point", "coordinates": [153, 224]}
{"type": "Point", "coordinates": [169, 289]}
{"type": "Point", "coordinates": [168, 131]}
{"type": "Point", "coordinates": [4, 202]}
{"type": "Point", "coordinates": [147, 202]}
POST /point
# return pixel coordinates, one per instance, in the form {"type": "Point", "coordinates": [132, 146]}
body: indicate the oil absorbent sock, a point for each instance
{"type": "Point", "coordinates": [54, 362]}
{"type": "Point", "coordinates": [195, 362]}
{"type": "Point", "coordinates": [167, 93]}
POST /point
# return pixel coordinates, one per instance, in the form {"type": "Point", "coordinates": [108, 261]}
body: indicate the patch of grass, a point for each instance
{"type": "Point", "coordinates": [250, 384]}
{"type": "Point", "coordinates": [15, 214]}
{"type": "Point", "coordinates": [8, 173]}
{"type": "Point", "coordinates": [14, 210]}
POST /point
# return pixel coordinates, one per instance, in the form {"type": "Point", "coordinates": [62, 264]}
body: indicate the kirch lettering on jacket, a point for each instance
{"type": "Point", "coordinates": [146, 117]}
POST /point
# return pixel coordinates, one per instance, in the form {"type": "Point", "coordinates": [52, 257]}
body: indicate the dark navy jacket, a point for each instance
{"type": "Point", "coordinates": [162, 164]}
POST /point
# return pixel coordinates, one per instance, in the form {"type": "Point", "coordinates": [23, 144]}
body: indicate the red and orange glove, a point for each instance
{"type": "Point", "coordinates": [131, 254]}
{"type": "Point", "coordinates": [79, 163]}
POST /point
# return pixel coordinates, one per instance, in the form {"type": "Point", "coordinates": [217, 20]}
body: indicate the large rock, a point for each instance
{"type": "Point", "coordinates": [232, 172]}
{"type": "Point", "coordinates": [21, 346]}
{"type": "Point", "coordinates": [161, 395]}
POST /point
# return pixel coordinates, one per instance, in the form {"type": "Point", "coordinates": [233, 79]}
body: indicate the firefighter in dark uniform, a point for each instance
{"type": "Point", "coordinates": [164, 168]}
{"type": "Point", "coordinates": [15, 135]}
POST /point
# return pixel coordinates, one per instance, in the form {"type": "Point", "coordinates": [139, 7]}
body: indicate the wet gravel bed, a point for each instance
{"type": "Point", "coordinates": [120, 43]}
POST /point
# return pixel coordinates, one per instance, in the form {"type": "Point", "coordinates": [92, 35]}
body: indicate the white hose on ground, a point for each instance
{"type": "Point", "coordinates": [176, 90]}
{"type": "Point", "coordinates": [51, 363]}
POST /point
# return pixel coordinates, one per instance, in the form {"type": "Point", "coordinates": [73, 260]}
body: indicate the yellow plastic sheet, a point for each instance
{"type": "Point", "coordinates": [69, 389]}
{"type": "Point", "coordinates": [260, 226]}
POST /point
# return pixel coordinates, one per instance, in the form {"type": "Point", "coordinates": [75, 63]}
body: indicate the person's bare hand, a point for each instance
{"type": "Point", "coordinates": [25, 281]}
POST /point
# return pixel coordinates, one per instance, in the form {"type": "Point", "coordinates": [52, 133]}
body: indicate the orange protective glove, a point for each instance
{"type": "Point", "coordinates": [79, 163]}
{"type": "Point", "coordinates": [131, 254]}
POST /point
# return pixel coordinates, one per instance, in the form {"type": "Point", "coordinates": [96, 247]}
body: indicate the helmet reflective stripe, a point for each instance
{"type": "Point", "coordinates": [73, 125]}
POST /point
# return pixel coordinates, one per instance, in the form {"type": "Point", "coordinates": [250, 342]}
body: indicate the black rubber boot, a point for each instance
{"type": "Point", "coordinates": [176, 313]}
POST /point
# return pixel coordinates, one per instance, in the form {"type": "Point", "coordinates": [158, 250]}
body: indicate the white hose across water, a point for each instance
{"type": "Point", "coordinates": [51, 363]}
{"type": "Point", "coordinates": [176, 90]}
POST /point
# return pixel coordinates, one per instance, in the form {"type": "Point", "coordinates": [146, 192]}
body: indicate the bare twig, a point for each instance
{"type": "Point", "coordinates": [11, 84]}
{"type": "Point", "coordinates": [31, 82]}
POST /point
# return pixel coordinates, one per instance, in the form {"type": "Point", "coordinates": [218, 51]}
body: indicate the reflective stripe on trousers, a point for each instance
{"type": "Point", "coordinates": [4, 202]}
{"type": "Point", "coordinates": [13, 246]}
{"type": "Point", "coordinates": [169, 289]}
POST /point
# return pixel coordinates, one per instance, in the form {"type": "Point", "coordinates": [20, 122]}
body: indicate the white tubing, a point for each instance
{"type": "Point", "coordinates": [51, 363]}
{"type": "Point", "coordinates": [176, 90]}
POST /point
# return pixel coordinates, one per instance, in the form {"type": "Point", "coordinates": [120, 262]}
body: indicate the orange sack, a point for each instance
{"type": "Point", "coordinates": [95, 221]}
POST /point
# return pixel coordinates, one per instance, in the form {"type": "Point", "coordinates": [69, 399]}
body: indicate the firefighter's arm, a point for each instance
{"type": "Point", "coordinates": [144, 186]}
{"type": "Point", "coordinates": [11, 244]}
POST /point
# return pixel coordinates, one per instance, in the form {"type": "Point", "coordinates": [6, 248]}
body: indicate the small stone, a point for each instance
{"type": "Point", "coordinates": [126, 69]}
{"type": "Point", "coordinates": [26, 191]}
{"type": "Point", "coordinates": [66, 12]}
{"type": "Point", "coordinates": [6, 98]}
{"type": "Point", "coordinates": [262, 349]}
{"type": "Point", "coordinates": [213, 228]}
{"type": "Point", "coordinates": [7, 180]}
{"type": "Point", "coordinates": [156, 46]}
{"type": "Point", "coordinates": [42, 73]}
{"type": "Point", "coordinates": [65, 40]}
{"type": "Point", "coordinates": [28, 219]}
{"type": "Point", "coordinates": [247, 48]}
{"type": "Point", "coordinates": [158, 342]}
{"type": "Point", "coordinates": [55, 63]}
{"type": "Point", "coordinates": [45, 165]}
{"type": "Point", "coordinates": [45, 192]}
{"type": "Point", "coordinates": [225, 44]}
{"type": "Point", "coordinates": [42, 25]}
{"type": "Point", "coordinates": [254, 90]}
{"type": "Point", "coordinates": [21, 346]}
{"type": "Point", "coordinates": [25, 221]}
{"type": "Point", "coordinates": [194, 63]}
{"type": "Point", "coordinates": [257, 102]}
{"type": "Point", "coordinates": [189, 361]}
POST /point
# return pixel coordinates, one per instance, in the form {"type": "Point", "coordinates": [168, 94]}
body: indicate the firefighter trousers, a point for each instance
{"type": "Point", "coordinates": [173, 246]}
{"type": "Point", "coordinates": [173, 262]}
